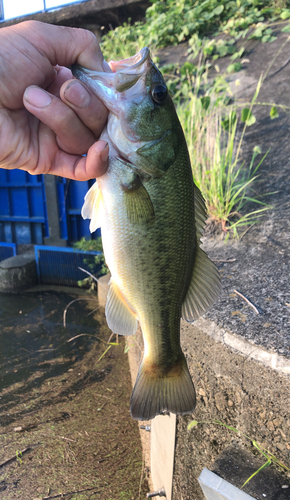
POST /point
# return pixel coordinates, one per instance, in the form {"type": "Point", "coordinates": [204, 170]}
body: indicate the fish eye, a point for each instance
{"type": "Point", "coordinates": [159, 93]}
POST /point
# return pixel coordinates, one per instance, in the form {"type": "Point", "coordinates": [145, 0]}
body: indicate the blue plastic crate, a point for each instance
{"type": "Point", "coordinates": [71, 196]}
{"type": "Point", "coordinates": [23, 217]}
{"type": "Point", "coordinates": [60, 266]}
{"type": "Point", "coordinates": [7, 250]}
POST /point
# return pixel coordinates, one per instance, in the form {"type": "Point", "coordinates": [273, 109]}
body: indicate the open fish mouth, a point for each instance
{"type": "Point", "coordinates": [132, 63]}
{"type": "Point", "coordinates": [123, 76]}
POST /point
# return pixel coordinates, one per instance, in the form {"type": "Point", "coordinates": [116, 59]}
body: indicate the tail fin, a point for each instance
{"type": "Point", "coordinates": [153, 394]}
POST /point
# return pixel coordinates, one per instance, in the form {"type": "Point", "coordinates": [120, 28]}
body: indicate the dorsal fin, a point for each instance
{"type": "Point", "coordinates": [205, 283]}
{"type": "Point", "coordinates": [93, 207]}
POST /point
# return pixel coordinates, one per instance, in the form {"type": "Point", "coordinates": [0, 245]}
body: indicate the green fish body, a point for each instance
{"type": "Point", "coordinates": [151, 215]}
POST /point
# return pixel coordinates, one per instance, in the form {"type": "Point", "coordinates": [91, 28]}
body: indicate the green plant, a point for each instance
{"type": "Point", "coordinates": [271, 459]}
{"type": "Point", "coordinates": [92, 246]}
{"type": "Point", "coordinates": [169, 22]}
{"type": "Point", "coordinates": [18, 457]}
{"type": "Point", "coordinates": [210, 127]}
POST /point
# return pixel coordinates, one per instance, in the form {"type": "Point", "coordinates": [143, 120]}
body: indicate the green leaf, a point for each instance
{"type": "Point", "coordinates": [285, 14]}
{"type": "Point", "coordinates": [257, 471]}
{"type": "Point", "coordinates": [218, 10]}
{"type": "Point", "coordinates": [258, 33]}
{"type": "Point", "coordinates": [205, 101]}
{"type": "Point", "coordinates": [187, 67]}
{"type": "Point", "coordinates": [248, 117]}
{"type": "Point", "coordinates": [193, 423]}
{"type": "Point", "coordinates": [223, 50]}
{"type": "Point", "coordinates": [229, 121]}
{"type": "Point", "coordinates": [286, 29]}
{"type": "Point", "coordinates": [233, 68]}
{"type": "Point", "coordinates": [274, 113]}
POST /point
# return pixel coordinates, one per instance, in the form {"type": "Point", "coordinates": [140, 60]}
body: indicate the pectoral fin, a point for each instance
{"type": "Point", "coordinates": [120, 317]}
{"type": "Point", "coordinates": [138, 202]}
{"type": "Point", "coordinates": [93, 207]}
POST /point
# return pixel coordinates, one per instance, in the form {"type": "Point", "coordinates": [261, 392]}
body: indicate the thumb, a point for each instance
{"type": "Point", "coordinates": [63, 45]}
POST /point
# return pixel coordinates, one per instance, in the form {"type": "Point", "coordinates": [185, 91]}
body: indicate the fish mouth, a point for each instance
{"type": "Point", "coordinates": [132, 63]}
{"type": "Point", "coordinates": [123, 76]}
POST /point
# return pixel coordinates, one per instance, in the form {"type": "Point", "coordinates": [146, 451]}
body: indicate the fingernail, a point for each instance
{"type": "Point", "coordinates": [77, 95]}
{"type": "Point", "coordinates": [105, 153]}
{"type": "Point", "coordinates": [102, 148]}
{"type": "Point", "coordinates": [37, 97]}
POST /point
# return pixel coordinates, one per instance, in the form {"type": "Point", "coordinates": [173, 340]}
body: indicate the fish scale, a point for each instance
{"type": "Point", "coordinates": [151, 215]}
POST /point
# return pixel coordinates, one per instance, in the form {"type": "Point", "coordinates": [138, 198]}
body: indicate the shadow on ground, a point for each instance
{"type": "Point", "coordinates": [64, 403]}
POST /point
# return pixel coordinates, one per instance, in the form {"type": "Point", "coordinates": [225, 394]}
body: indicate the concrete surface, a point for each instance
{"type": "Point", "coordinates": [96, 15]}
{"type": "Point", "coordinates": [17, 273]}
{"type": "Point", "coordinates": [216, 488]}
{"type": "Point", "coordinates": [236, 465]}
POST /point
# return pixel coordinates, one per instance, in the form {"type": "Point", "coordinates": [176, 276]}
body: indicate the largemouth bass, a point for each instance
{"type": "Point", "coordinates": [151, 215]}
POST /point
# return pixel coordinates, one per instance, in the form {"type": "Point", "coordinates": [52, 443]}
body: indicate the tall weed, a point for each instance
{"type": "Point", "coordinates": [213, 132]}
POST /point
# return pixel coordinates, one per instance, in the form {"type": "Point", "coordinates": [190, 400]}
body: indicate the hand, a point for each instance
{"type": "Point", "coordinates": [47, 119]}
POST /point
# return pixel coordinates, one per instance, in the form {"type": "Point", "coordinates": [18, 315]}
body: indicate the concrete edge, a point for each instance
{"type": "Point", "coordinates": [267, 358]}
{"type": "Point", "coordinates": [212, 484]}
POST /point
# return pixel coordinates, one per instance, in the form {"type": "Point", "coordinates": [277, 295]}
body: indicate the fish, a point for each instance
{"type": "Point", "coordinates": [151, 216]}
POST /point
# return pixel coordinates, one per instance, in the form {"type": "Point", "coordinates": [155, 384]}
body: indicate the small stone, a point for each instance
{"type": "Point", "coordinates": [270, 426]}
{"type": "Point", "coordinates": [277, 422]}
{"type": "Point", "coordinates": [230, 403]}
{"type": "Point", "coordinates": [220, 401]}
{"type": "Point", "coordinates": [202, 392]}
{"type": "Point", "coordinates": [280, 446]}
{"type": "Point", "coordinates": [238, 398]}
{"type": "Point", "coordinates": [17, 429]}
{"type": "Point", "coordinates": [285, 486]}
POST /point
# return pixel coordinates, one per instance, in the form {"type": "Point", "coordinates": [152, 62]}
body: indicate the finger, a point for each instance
{"type": "Point", "coordinates": [86, 105]}
{"type": "Point", "coordinates": [81, 168]}
{"type": "Point", "coordinates": [35, 49]}
{"type": "Point", "coordinates": [63, 45]}
{"type": "Point", "coordinates": [72, 135]}
{"type": "Point", "coordinates": [62, 75]}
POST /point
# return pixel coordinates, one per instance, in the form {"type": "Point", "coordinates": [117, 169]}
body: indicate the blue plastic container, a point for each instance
{"type": "Point", "coordinates": [60, 266]}
{"type": "Point", "coordinates": [7, 250]}
{"type": "Point", "coordinates": [23, 217]}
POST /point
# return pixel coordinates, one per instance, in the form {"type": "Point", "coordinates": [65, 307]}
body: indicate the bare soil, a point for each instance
{"type": "Point", "coordinates": [66, 409]}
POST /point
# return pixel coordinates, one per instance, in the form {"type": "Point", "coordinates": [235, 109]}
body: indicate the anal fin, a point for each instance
{"type": "Point", "coordinates": [120, 317]}
{"type": "Point", "coordinates": [204, 287]}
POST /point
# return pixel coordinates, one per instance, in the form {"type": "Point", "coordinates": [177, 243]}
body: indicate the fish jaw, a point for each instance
{"type": "Point", "coordinates": [110, 87]}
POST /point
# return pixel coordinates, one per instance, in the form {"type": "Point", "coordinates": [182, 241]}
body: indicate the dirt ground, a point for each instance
{"type": "Point", "coordinates": [64, 414]}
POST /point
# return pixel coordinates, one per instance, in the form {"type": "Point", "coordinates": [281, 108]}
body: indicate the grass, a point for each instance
{"type": "Point", "coordinates": [211, 128]}
{"type": "Point", "coordinates": [270, 458]}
